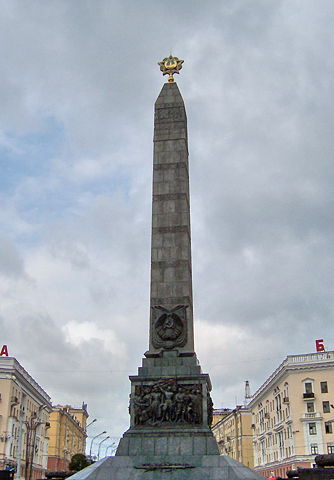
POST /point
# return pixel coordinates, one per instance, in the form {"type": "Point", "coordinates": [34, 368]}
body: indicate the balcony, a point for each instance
{"type": "Point", "coordinates": [308, 395]}
{"type": "Point", "coordinates": [288, 420]}
{"type": "Point", "coordinates": [278, 425]}
{"type": "Point", "coordinates": [306, 417]}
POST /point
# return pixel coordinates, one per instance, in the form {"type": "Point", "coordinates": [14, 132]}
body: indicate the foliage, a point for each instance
{"type": "Point", "coordinates": [78, 462]}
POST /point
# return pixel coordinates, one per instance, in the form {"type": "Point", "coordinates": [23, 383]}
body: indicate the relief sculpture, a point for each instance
{"type": "Point", "coordinates": [167, 402]}
{"type": "Point", "coordinates": [169, 326]}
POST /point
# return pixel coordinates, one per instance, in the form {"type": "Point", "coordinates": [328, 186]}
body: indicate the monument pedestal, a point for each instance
{"type": "Point", "coordinates": [169, 437]}
{"type": "Point", "coordinates": [170, 408]}
{"type": "Point", "coordinates": [167, 467]}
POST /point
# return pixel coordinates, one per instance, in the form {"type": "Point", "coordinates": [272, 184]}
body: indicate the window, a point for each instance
{"type": "Point", "coordinates": [314, 449]}
{"type": "Point", "coordinates": [278, 405]}
{"type": "Point", "coordinates": [310, 407]}
{"type": "Point", "coordinates": [325, 407]}
{"type": "Point", "coordinates": [328, 427]}
{"type": "Point", "coordinates": [312, 428]}
{"type": "Point", "coordinates": [330, 448]}
{"type": "Point", "coordinates": [323, 387]}
{"type": "Point", "coordinates": [308, 387]}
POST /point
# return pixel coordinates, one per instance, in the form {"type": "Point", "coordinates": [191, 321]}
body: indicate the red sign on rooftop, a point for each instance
{"type": "Point", "coordinates": [4, 351]}
{"type": "Point", "coordinates": [319, 345]}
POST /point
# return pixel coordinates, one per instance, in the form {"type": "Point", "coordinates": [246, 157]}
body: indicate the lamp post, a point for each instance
{"type": "Point", "coordinates": [98, 452]}
{"type": "Point", "coordinates": [19, 443]}
{"type": "Point", "coordinates": [112, 446]}
{"type": "Point", "coordinates": [91, 423]}
{"type": "Point", "coordinates": [91, 443]}
{"type": "Point", "coordinates": [31, 427]}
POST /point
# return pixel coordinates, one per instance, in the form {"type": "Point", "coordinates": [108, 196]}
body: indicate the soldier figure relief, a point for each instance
{"type": "Point", "coordinates": [167, 402]}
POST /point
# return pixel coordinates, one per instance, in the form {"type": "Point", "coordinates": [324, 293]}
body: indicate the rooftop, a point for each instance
{"type": "Point", "coordinates": [9, 365]}
{"type": "Point", "coordinates": [293, 362]}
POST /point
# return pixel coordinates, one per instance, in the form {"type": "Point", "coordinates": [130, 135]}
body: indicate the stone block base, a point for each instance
{"type": "Point", "coordinates": [173, 442]}
{"type": "Point", "coordinates": [167, 467]}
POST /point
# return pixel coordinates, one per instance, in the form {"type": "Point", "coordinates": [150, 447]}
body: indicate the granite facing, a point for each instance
{"type": "Point", "coordinates": [175, 443]}
{"type": "Point", "coordinates": [171, 273]}
{"type": "Point", "coordinates": [185, 467]}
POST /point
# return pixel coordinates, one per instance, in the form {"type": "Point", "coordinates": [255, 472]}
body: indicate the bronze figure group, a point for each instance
{"type": "Point", "coordinates": [167, 402]}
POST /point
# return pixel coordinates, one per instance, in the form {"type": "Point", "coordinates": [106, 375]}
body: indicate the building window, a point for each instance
{"type": "Point", "coordinates": [324, 387]}
{"type": "Point", "coordinates": [310, 407]}
{"type": "Point", "coordinates": [312, 428]}
{"type": "Point", "coordinates": [314, 449]}
{"type": "Point", "coordinates": [330, 448]}
{"type": "Point", "coordinates": [328, 427]}
{"type": "Point", "coordinates": [326, 407]}
{"type": "Point", "coordinates": [308, 387]}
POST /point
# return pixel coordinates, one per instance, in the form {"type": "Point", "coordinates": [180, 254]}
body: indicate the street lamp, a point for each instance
{"type": "Point", "coordinates": [31, 428]}
{"type": "Point", "coordinates": [112, 446]}
{"type": "Point", "coordinates": [98, 452]}
{"type": "Point", "coordinates": [91, 443]}
{"type": "Point", "coordinates": [91, 423]}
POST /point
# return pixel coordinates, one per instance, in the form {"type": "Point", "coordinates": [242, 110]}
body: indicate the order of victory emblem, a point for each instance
{"type": "Point", "coordinates": [169, 66]}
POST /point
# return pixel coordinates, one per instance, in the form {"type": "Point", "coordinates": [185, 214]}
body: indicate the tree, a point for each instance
{"type": "Point", "coordinates": [78, 462]}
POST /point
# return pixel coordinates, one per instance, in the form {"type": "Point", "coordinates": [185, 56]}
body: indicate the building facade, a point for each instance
{"type": "Point", "coordinates": [67, 435]}
{"type": "Point", "coordinates": [233, 432]}
{"type": "Point", "coordinates": [293, 414]}
{"type": "Point", "coordinates": [24, 421]}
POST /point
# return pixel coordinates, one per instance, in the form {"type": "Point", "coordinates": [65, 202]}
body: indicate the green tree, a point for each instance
{"type": "Point", "coordinates": [78, 462]}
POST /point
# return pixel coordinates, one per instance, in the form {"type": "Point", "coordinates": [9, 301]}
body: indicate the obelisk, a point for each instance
{"type": "Point", "coordinates": [170, 405]}
{"type": "Point", "coordinates": [171, 322]}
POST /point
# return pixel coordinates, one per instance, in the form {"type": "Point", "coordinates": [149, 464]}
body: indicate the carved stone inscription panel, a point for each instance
{"type": "Point", "coordinates": [169, 326]}
{"type": "Point", "coordinates": [167, 402]}
{"type": "Point", "coordinates": [171, 113]}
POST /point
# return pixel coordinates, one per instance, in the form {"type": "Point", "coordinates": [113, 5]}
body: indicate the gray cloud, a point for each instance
{"type": "Point", "coordinates": [11, 263]}
{"type": "Point", "coordinates": [257, 82]}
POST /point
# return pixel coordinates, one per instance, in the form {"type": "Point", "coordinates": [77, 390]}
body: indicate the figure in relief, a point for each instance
{"type": "Point", "coordinates": [167, 402]}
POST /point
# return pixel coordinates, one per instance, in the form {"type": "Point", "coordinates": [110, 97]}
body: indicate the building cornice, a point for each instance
{"type": "Point", "coordinates": [62, 411]}
{"type": "Point", "coordinates": [11, 369]}
{"type": "Point", "coordinates": [294, 363]}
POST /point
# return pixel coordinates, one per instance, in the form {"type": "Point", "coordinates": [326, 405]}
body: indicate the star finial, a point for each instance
{"type": "Point", "coordinates": [169, 66]}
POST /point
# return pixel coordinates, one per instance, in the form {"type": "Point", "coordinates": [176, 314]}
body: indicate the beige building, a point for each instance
{"type": "Point", "coordinates": [24, 416]}
{"type": "Point", "coordinates": [219, 414]}
{"type": "Point", "coordinates": [67, 435]}
{"type": "Point", "coordinates": [233, 432]}
{"type": "Point", "coordinates": [293, 414]}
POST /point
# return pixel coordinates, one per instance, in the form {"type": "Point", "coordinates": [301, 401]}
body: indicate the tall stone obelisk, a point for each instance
{"type": "Point", "coordinates": [170, 397]}
{"type": "Point", "coordinates": [171, 323]}
{"type": "Point", "coordinates": [170, 405]}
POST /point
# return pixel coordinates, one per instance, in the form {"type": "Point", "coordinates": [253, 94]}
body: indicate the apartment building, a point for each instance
{"type": "Point", "coordinates": [24, 421]}
{"type": "Point", "coordinates": [67, 435]}
{"type": "Point", "coordinates": [293, 414]}
{"type": "Point", "coordinates": [218, 414]}
{"type": "Point", "coordinates": [234, 435]}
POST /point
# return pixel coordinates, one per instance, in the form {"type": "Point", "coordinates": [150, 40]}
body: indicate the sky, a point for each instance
{"type": "Point", "coordinates": [77, 89]}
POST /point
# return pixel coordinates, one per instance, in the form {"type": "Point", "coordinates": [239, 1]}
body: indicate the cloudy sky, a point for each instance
{"type": "Point", "coordinates": [77, 87]}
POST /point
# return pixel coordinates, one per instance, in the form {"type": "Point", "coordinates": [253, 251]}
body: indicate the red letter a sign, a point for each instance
{"type": "Point", "coordinates": [4, 351]}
